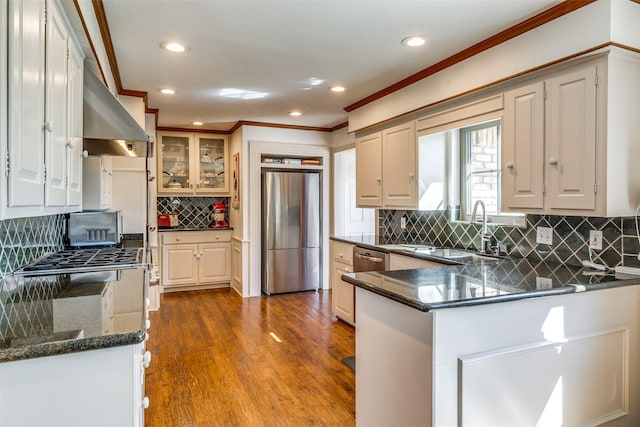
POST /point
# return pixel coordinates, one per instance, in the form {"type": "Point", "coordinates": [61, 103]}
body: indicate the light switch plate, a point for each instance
{"type": "Point", "coordinates": [544, 235]}
{"type": "Point", "coordinates": [403, 222]}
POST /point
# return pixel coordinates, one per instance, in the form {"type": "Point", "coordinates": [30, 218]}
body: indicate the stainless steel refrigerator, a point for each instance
{"type": "Point", "coordinates": [291, 206]}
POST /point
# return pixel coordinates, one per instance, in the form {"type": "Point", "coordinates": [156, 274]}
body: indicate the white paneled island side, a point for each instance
{"type": "Point", "coordinates": [490, 344]}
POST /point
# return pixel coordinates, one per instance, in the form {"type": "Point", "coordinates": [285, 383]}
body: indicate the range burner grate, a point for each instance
{"type": "Point", "coordinates": [86, 259]}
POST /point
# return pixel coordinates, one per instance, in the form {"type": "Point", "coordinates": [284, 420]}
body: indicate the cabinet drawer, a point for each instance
{"type": "Point", "coordinates": [180, 237]}
{"type": "Point", "coordinates": [342, 252]}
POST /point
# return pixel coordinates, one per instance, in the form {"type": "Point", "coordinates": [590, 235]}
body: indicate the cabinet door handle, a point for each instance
{"type": "Point", "coordinates": [553, 161]}
{"type": "Point", "coordinates": [509, 165]}
{"type": "Point", "coordinates": [146, 359]}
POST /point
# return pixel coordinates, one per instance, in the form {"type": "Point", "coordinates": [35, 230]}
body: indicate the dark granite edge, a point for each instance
{"type": "Point", "coordinates": [567, 289]}
{"type": "Point", "coordinates": [70, 346]}
{"type": "Point", "coordinates": [161, 230]}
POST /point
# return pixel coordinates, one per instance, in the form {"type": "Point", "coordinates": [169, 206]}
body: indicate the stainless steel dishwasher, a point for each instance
{"type": "Point", "coordinates": [369, 260]}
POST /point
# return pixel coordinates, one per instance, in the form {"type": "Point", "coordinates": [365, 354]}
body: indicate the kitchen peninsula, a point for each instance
{"type": "Point", "coordinates": [506, 342]}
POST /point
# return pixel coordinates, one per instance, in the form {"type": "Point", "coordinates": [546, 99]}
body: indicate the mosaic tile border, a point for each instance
{"type": "Point", "coordinates": [620, 244]}
{"type": "Point", "coordinates": [193, 212]}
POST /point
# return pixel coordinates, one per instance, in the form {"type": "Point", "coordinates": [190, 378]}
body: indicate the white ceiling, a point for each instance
{"type": "Point", "coordinates": [277, 47]}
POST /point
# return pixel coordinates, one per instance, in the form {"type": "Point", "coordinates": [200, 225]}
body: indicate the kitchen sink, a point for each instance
{"type": "Point", "coordinates": [446, 253]}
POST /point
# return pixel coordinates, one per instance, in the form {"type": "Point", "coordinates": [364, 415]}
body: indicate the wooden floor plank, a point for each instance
{"type": "Point", "coordinates": [216, 364]}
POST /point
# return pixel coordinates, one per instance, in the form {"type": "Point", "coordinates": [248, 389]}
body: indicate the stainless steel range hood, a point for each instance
{"type": "Point", "coordinates": [109, 129]}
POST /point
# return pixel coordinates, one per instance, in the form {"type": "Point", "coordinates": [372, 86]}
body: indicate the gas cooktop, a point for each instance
{"type": "Point", "coordinates": [81, 260]}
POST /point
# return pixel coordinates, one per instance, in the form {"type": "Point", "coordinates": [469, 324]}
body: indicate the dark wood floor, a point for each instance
{"type": "Point", "coordinates": [215, 363]}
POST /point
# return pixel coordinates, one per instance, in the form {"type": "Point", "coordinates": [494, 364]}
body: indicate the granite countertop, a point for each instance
{"type": "Point", "coordinates": [483, 282]}
{"type": "Point", "coordinates": [65, 313]}
{"type": "Point", "coordinates": [193, 229]}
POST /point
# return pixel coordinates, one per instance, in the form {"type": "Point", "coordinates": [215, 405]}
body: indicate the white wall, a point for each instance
{"type": "Point", "coordinates": [130, 178]}
{"type": "Point", "coordinates": [557, 39]}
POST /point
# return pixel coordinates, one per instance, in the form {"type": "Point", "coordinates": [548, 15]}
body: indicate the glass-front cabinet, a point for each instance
{"type": "Point", "coordinates": [192, 163]}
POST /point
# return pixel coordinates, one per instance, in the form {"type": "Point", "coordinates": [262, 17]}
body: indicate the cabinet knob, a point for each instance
{"type": "Point", "coordinates": [69, 144]}
{"type": "Point", "coordinates": [379, 179]}
{"type": "Point", "coordinates": [177, 239]}
{"type": "Point", "coordinates": [553, 161]}
{"type": "Point", "coordinates": [146, 359]}
{"type": "Point", "coordinates": [411, 176]}
{"type": "Point", "coordinates": [85, 153]}
{"type": "Point", "coordinates": [509, 165]}
{"type": "Point", "coordinates": [145, 402]}
{"type": "Point", "coordinates": [48, 126]}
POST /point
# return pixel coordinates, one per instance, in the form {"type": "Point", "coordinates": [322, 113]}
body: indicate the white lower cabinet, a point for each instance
{"type": "Point", "coordinates": [196, 259]}
{"type": "Point", "coordinates": [342, 293]}
{"type": "Point", "coordinates": [98, 388]}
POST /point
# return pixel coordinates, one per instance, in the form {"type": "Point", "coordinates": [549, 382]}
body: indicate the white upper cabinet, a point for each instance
{"type": "Point", "coordinates": [55, 125]}
{"type": "Point", "coordinates": [570, 149]}
{"type": "Point", "coordinates": [399, 162]}
{"type": "Point", "coordinates": [44, 91]}
{"type": "Point", "coordinates": [193, 164]}
{"type": "Point", "coordinates": [523, 147]}
{"type": "Point", "coordinates": [568, 141]}
{"type": "Point", "coordinates": [25, 103]}
{"type": "Point", "coordinates": [549, 145]}
{"type": "Point", "coordinates": [74, 127]}
{"type": "Point", "coordinates": [369, 170]}
{"type": "Point", "coordinates": [386, 168]}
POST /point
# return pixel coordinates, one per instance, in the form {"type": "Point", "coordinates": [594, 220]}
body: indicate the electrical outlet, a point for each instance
{"type": "Point", "coordinates": [403, 222]}
{"type": "Point", "coordinates": [595, 239]}
{"type": "Point", "coordinates": [544, 235]}
{"type": "Point", "coordinates": [543, 283]}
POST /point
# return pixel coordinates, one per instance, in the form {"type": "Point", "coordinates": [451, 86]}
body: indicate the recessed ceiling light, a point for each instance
{"type": "Point", "coordinates": [295, 113]}
{"type": "Point", "coordinates": [167, 91]}
{"type": "Point", "coordinates": [173, 47]}
{"type": "Point", "coordinates": [414, 41]}
{"type": "Point", "coordinates": [337, 88]}
{"type": "Point", "coordinates": [197, 123]}
{"type": "Point", "coordinates": [314, 81]}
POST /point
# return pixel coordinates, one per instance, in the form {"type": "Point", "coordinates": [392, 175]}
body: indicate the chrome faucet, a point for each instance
{"type": "Point", "coordinates": [485, 237]}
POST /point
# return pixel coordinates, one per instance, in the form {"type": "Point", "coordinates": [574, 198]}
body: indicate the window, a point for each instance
{"type": "Point", "coordinates": [480, 153]}
{"type": "Point", "coordinates": [348, 219]}
{"type": "Point", "coordinates": [480, 172]}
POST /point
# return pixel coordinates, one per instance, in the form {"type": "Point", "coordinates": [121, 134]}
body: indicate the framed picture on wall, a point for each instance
{"type": "Point", "coordinates": [235, 181]}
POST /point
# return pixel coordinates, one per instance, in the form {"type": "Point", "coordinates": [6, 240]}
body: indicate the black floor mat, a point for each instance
{"type": "Point", "coordinates": [350, 362]}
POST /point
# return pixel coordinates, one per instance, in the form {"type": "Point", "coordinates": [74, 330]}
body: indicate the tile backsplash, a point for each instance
{"type": "Point", "coordinates": [193, 212]}
{"type": "Point", "coordinates": [23, 240]}
{"type": "Point", "coordinates": [570, 235]}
